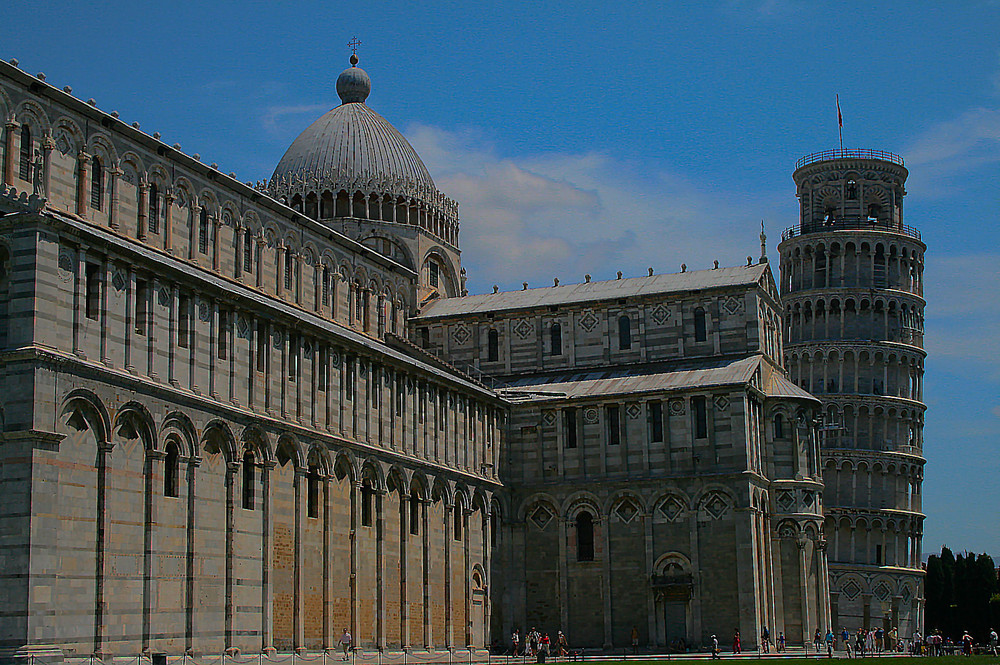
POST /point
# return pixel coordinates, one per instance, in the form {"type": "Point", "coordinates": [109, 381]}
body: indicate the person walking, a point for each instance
{"type": "Point", "coordinates": [715, 648]}
{"type": "Point", "coordinates": [562, 645]}
{"type": "Point", "coordinates": [817, 640]}
{"type": "Point", "coordinates": [829, 643]}
{"type": "Point", "coordinates": [845, 637]}
{"type": "Point", "coordinates": [515, 641]}
{"type": "Point", "coordinates": [345, 643]}
{"type": "Point", "coordinates": [737, 647]}
{"type": "Point", "coordinates": [993, 641]}
{"type": "Point", "coordinates": [781, 642]}
{"type": "Point", "coordinates": [765, 639]}
{"type": "Point", "coordinates": [635, 639]}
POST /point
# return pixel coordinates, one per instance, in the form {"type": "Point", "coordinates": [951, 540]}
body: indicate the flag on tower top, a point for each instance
{"type": "Point", "coordinates": [840, 118]}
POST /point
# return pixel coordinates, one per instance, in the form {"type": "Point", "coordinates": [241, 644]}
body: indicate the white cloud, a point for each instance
{"type": "Point", "coordinates": [566, 214]}
{"type": "Point", "coordinates": [274, 117]}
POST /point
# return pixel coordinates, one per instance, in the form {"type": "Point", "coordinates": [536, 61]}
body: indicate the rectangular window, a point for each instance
{"type": "Point", "coordinates": [442, 411]}
{"type": "Point", "coordinates": [92, 302]}
{"type": "Point", "coordinates": [414, 515]}
{"type": "Point", "coordinates": [698, 404]}
{"type": "Point", "coordinates": [614, 427]}
{"type": "Point", "coordinates": [261, 345]}
{"type": "Point", "coordinates": [141, 306]}
{"type": "Point", "coordinates": [425, 338]}
{"type": "Point", "coordinates": [878, 555]}
{"type": "Point", "coordinates": [569, 423]}
{"type": "Point", "coordinates": [293, 357]}
{"type": "Point", "coordinates": [433, 274]}
{"type": "Point", "coordinates": [154, 209]}
{"type": "Point", "coordinates": [324, 362]}
{"type": "Point", "coordinates": [349, 379]}
{"type": "Point", "coordinates": [326, 286]}
{"type": "Point", "coordinates": [248, 251]}
{"type": "Point", "coordinates": [288, 269]}
{"type": "Point", "coordinates": [203, 233]}
{"type": "Point", "coordinates": [400, 396]}
{"type": "Point", "coordinates": [312, 494]}
{"type": "Point", "coordinates": [183, 321]}
{"type": "Point", "coordinates": [223, 341]}
{"type": "Point", "coordinates": [655, 421]}
{"type": "Point", "coordinates": [367, 498]}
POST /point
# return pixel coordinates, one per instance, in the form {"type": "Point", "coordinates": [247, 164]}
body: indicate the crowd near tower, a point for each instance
{"type": "Point", "coordinates": [852, 292]}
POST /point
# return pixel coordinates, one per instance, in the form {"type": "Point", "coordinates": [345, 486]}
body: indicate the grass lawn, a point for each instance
{"type": "Point", "coordinates": [871, 660]}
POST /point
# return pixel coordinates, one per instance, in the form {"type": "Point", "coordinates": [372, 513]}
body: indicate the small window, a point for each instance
{"type": "Point", "coordinates": [326, 286]}
{"type": "Point", "coordinates": [655, 414]}
{"type": "Point", "coordinates": [96, 182]}
{"type": "Point", "coordinates": [613, 426]}
{"type": "Point", "coordinates": [434, 276]}
{"type": "Point", "coordinates": [414, 514]}
{"type": "Point", "coordinates": [555, 338]}
{"type": "Point", "coordinates": [569, 423]}
{"type": "Point", "coordinates": [262, 336]}
{"type": "Point", "coordinates": [141, 306]}
{"type": "Point", "coordinates": [171, 470]}
{"type": "Point", "coordinates": [349, 379]}
{"type": "Point", "coordinates": [154, 208]}
{"type": "Point", "coordinates": [700, 329]}
{"type": "Point", "coordinates": [367, 504]}
{"type": "Point", "coordinates": [700, 417]}
{"type": "Point", "coordinates": [203, 231]}
{"type": "Point", "coordinates": [293, 357]}
{"type": "Point", "coordinates": [878, 555]}
{"type": "Point", "coordinates": [92, 300]}
{"type": "Point", "coordinates": [322, 371]}
{"type": "Point", "coordinates": [442, 411]}
{"type": "Point", "coordinates": [458, 519]}
{"type": "Point", "coordinates": [183, 321]}
{"type": "Point", "coordinates": [249, 478]}
{"type": "Point", "coordinates": [584, 537]}
{"type": "Point", "coordinates": [248, 243]}
{"type": "Point", "coordinates": [223, 335]}
{"type": "Point", "coordinates": [624, 333]}
{"type": "Point", "coordinates": [492, 346]}
{"type": "Point", "coordinates": [779, 426]}
{"type": "Point", "coordinates": [312, 492]}
{"type": "Point", "coordinates": [288, 269]}
{"type": "Point", "coordinates": [24, 166]}
{"type": "Point", "coordinates": [425, 338]}
{"type": "Point", "coordinates": [851, 191]}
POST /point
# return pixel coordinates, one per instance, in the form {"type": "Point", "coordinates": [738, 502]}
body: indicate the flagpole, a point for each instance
{"type": "Point", "coordinates": [840, 125]}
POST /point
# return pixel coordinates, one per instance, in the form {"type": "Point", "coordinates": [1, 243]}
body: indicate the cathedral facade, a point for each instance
{"type": "Point", "coordinates": [248, 417]}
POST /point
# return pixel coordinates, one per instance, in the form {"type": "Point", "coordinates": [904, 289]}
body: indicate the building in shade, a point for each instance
{"type": "Point", "coordinates": [243, 418]}
{"type": "Point", "coordinates": [852, 290]}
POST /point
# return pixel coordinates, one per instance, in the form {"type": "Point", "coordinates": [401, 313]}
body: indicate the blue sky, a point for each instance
{"type": "Point", "coordinates": [591, 137]}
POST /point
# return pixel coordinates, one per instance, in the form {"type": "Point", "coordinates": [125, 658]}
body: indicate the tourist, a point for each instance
{"type": "Point", "coordinates": [737, 648]}
{"type": "Point", "coordinates": [515, 642]}
{"type": "Point", "coordinates": [765, 638]}
{"type": "Point", "coordinates": [781, 642]}
{"type": "Point", "coordinates": [966, 644]}
{"type": "Point", "coordinates": [635, 639]}
{"type": "Point", "coordinates": [817, 640]}
{"type": "Point", "coordinates": [993, 641]}
{"type": "Point", "coordinates": [845, 637]}
{"type": "Point", "coordinates": [345, 643]}
{"type": "Point", "coordinates": [545, 644]}
{"type": "Point", "coordinates": [562, 646]}
{"type": "Point", "coordinates": [715, 648]}
{"type": "Point", "coordinates": [829, 643]}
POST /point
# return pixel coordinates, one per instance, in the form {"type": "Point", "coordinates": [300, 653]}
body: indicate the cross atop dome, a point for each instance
{"type": "Point", "coordinates": [353, 45]}
{"type": "Point", "coordinates": [353, 84]}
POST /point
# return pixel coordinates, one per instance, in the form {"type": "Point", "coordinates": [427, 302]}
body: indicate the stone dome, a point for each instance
{"type": "Point", "coordinates": [354, 148]}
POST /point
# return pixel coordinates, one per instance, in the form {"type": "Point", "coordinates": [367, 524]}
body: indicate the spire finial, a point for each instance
{"type": "Point", "coordinates": [763, 243]}
{"type": "Point", "coordinates": [353, 45]}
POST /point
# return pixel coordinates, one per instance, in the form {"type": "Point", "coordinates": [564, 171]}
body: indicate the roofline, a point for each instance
{"type": "Point", "coordinates": [206, 171]}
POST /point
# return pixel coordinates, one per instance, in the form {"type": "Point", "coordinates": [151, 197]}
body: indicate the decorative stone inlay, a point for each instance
{"type": "Point", "coordinates": [671, 508]}
{"type": "Point", "coordinates": [732, 305]}
{"type": "Point", "coordinates": [307, 349]}
{"type": "Point", "coordinates": [882, 591]}
{"type": "Point", "coordinates": [626, 511]}
{"type": "Point", "coordinates": [461, 334]}
{"type": "Point", "coordinates": [243, 328]}
{"type": "Point", "coordinates": [277, 338]}
{"type": "Point", "coordinates": [118, 281]}
{"type": "Point", "coordinates": [541, 516]}
{"type": "Point", "coordinates": [334, 359]}
{"type": "Point", "coordinates": [721, 402]}
{"type": "Point", "coordinates": [589, 320]}
{"type": "Point", "coordinates": [66, 264]}
{"type": "Point", "coordinates": [808, 498]}
{"type": "Point", "coordinates": [716, 505]}
{"type": "Point", "coordinates": [633, 410]}
{"type": "Point", "coordinates": [590, 416]}
{"type": "Point", "coordinates": [164, 297]}
{"type": "Point", "coordinates": [660, 315]}
{"type": "Point", "coordinates": [785, 501]}
{"type": "Point", "coordinates": [63, 144]}
{"type": "Point", "coordinates": [677, 407]}
{"type": "Point", "coordinates": [906, 593]}
{"type": "Point", "coordinates": [523, 328]}
{"type": "Point", "coordinates": [851, 589]}
{"type": "Point", "coordinates": [204, 312]}
{"type": "Point", "coordinates": [548, 417]}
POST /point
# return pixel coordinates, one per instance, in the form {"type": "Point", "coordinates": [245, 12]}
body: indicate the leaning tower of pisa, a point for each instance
{"type": "Point", "coordinates": [852, 289]}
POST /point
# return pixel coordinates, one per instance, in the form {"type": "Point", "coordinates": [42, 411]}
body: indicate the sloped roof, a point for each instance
{"type": "Point", "coordinates": [595, 291]}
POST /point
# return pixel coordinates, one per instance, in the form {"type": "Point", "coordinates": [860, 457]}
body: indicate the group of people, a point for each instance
{"type": "Point", "coordinates": [538, 645]}
{"type": "Point", "coordinates": [937, 645]}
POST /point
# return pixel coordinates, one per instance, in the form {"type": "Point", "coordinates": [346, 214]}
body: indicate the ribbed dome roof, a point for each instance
{"type": "Point", "coordinates": [353, 144]}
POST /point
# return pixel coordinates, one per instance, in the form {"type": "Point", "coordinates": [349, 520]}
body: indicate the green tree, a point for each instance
{"type": "Point", "coordinates": [962, 594]}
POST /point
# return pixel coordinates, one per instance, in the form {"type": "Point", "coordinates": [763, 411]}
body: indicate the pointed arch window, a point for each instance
{"type": "Point", "coordinates": [414, 514]}
{"type": "Point", "coordinates": [555, 339]}
{"type": "Point", "coordinates": [584, 537]}
{"type": "Point", "coordinates": [458, 519]}
{"type": "Point", "coordinates": [248, 251]}
{"type": "Point", "coordinates": [171, 470]}
{"type": "Point", "coordinates": [367, 503]}
{"type": "Point", "coordinates": [24, 165]}
{"type": "Point", "coordinates": [312, 492]}
{"type": "Point", "coordinates": [249, 477]}
{"type": "Point", "coordinates": [492, 346]}
{"type": "Point", "coordinates": [96, 182]}
{"type": "Point", "coordinates": [779, 426]}
{"type": "Point", "coordinates": [624, 333]}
